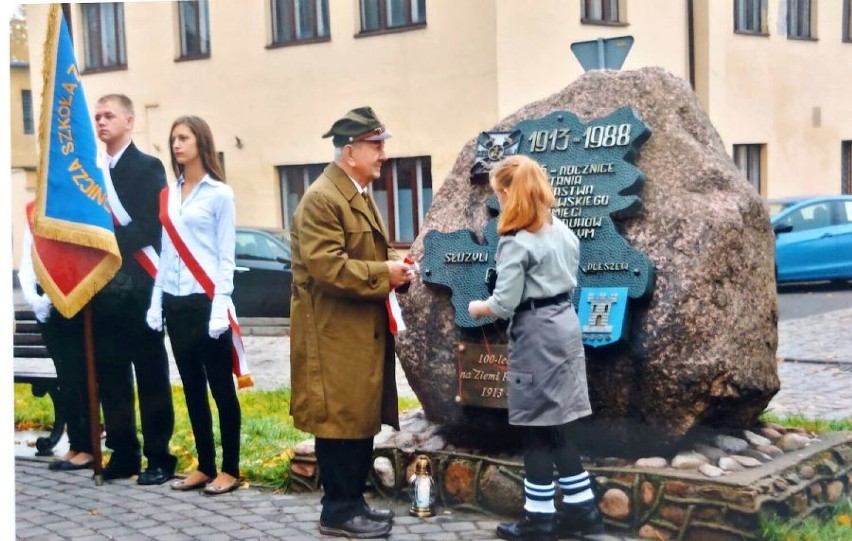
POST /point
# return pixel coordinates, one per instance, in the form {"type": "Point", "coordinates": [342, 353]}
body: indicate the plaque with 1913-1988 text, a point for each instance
{"type": "Point", "coordinates": [595, 183]}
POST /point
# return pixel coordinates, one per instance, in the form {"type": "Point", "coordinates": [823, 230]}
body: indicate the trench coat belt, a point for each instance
{"type": "Point", "coordinates": [539, 303]}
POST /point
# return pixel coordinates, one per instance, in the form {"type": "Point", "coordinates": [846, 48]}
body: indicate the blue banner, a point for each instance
{"type": "Point", "coordinates": [71, 206]}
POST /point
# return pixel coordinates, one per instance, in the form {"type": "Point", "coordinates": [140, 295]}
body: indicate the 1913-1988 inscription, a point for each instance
{"type": "Point", "coordinates": [594, 180]}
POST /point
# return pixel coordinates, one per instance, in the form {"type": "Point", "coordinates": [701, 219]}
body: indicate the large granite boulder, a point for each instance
{"type": "Point", "coordinates": [701, 352]}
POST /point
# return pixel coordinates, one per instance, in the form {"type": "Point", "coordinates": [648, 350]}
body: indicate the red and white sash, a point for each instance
{"type": "Point", "coordinates": [183, 240]}
{"type": "Point", "coordinates": [147, 256]}
{"type": "Point", "coordinates": [395, 320]}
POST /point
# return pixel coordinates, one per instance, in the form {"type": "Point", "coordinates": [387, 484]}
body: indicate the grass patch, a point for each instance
{"type": "Point", "coordinates": [266, 441]}
{"type": "Point", "coordinates": [835, 525]}
{"type": "Point", "coordinates": [813, 425]}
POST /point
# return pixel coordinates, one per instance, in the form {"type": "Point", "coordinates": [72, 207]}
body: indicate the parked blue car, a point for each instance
{"type": "Point", "coordinates": [813, 238]}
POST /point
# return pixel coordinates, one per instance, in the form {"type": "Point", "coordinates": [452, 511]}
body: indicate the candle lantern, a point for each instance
{"type": "Point", "coordinates": [421, 486]}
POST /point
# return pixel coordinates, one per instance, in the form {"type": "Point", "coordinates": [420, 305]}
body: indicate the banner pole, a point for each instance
{"type": "Point", "coordinates": [94, 406]}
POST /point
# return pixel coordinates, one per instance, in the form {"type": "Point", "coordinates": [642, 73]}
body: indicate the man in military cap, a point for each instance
{"type": "Point", "coordinates": [341, 349]}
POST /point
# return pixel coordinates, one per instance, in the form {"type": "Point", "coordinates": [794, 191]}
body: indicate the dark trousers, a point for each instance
{"type": "Point", "coordinates": [124, 344]}
{"type": "Point", "coordinates": [343, 468]}
{"type": "Point", "coordinates": [546, 446]}
{"type": "Point", "coordinates": [202, 360]}
{"type": "Point", "coordinates": [64, 341]}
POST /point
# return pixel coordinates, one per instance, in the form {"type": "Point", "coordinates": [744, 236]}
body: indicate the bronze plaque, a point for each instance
{"type": "Point", "coordinates": [482, 374]}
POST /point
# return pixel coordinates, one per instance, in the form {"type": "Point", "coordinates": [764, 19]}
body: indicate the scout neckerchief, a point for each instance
{"type": "Point", "coordinates": [182, 239]}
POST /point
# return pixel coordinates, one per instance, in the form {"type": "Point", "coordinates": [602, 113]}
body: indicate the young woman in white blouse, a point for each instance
{"type": "Point", "coordinates": [192, 293]}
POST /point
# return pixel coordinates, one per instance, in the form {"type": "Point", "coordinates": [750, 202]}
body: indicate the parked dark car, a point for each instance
{"type": "Point", "coordinates": [813, 237]}
{"type": "Point", "coordinates": [263, 277]}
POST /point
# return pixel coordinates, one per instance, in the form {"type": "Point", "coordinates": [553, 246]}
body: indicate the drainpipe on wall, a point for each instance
{"type": "Point", "coordinates": [690, 29]}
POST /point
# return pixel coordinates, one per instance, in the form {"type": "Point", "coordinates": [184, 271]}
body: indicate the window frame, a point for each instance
{"type": "Point", "coordinates": [27, 111]}
{"type": "Point", "coordinates": [749, 5]}
{"type": "Point", "coordinates": [606, 10]}
{"type": "Point", "coordinates": [308, 173]}
{"type": "Point", "coordinates": [846, 21]}
{"type": "Point", "coordinates": [800, 7]}
{"type": "Point", "coordinates": [749, 159]}
{"type": "Point", "coordinates": [202, 22]}
{"type": "Point", "coordinates": [384, 15]}
{"type": "Point", "coordinates": [89, 37]}
{"type": "Point", "coordinates": [275, 37]}
{"type": "Point", "coordinates": [389, 205]}
{"type": "Point", "coordinates": [390, 180]}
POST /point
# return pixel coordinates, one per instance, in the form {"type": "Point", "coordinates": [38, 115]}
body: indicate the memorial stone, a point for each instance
{"type": "Point", "coordinates": [666, 221]}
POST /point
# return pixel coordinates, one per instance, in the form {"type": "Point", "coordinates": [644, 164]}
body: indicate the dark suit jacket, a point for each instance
{"type": "Point", "coordinates": [138, 179]}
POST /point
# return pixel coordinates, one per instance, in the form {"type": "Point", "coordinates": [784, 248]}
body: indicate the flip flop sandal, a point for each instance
{"type": "Point", "coordinates": [214, 490]}
{"type": "Point", "coordinates": [182, 485]}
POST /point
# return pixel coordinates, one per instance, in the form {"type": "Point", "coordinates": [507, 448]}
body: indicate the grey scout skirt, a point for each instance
{"type": "Point", "coordinates": [547, 367]}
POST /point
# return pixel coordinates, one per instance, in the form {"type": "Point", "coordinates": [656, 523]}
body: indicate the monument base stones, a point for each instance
{"type": "Point", "coordinates": [682, 497]}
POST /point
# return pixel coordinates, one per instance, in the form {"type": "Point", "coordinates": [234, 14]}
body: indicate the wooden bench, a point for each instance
{"type": "Point", "coordinates": [34, 365]}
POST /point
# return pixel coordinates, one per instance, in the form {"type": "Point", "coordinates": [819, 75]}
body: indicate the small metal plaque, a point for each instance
{"type": "Point", "coordinates": [602, 312]}
{"type": "Point", "coordinates": [482, 374]}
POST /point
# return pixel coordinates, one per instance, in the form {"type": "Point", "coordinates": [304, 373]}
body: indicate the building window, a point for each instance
{"type": "Point", "coordinates": [750, 16]}
{"type": "Point", "coordinates": [799, 17]}
{"type": "Point", "coordinates": [748, 160]}
{"type": "Point", "coordinates": [194, 29]}
{"type": "Point", "coordinates": [847, 21]}
{"type": "Point", "coordinates": [383, 15]}
{"type": "Point", "coordinates": [600, 11]}
{"type": "Point", "coordinates": [295, 21]}
{"type": "Point", "coordinates": [103, 35]}
{"type": "Point", "coordinates": [294, 180]}
{"type": "Point", "coordinates": [846, 167]}
{"type": "Point", "coordinates": [403, 195]}
{"type": "Point", "coordinates": [27, 109]}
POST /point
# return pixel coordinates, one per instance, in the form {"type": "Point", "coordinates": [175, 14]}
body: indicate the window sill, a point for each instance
{"type": "Point", "coordinates": [294, 43]}
{"type": "Point", "coordinates": [193, 57]}
{"type": "Point", "coordinates": [89, 71]}
{"type": "Point", "coordinates": [394, 30]}
{"type": "Point", "coordinates": [401, 245]}
{"type": "Point", "coordinates": [595, 22]}
{"type": "Point", "coordinates": [802, 38]}
{"type": "Point", "coordinates": [760, 34]}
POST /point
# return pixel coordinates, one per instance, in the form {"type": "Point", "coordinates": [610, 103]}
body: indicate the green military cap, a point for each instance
{"type": "Point", "coordinates": [359, 124]}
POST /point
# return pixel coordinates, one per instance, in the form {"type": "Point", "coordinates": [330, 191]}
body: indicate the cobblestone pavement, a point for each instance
{"type": "Point", "coordinates": [815, 367]}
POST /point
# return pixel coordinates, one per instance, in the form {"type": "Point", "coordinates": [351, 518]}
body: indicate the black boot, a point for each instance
{"type": "Point", "coordinates": [579, 519]}
{"type": "Point", "coordinates": [534, 527]}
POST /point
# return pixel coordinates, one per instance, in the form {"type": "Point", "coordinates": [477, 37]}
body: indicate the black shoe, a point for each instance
{"type": "Point", "coordinates": [67, 465]}
{"type": "Point", "coordinates": [154, 475]}
{"type": "Point", "coordinates": [377, 515]}
{"type": "Point", "coordinates": [533, 526]}
{"type": "Point", "coordinates": [119, 471]}
{"type": "Point", "coordinates": [582, 519]}
{"type": "Point", "coordinates": [358, 527]}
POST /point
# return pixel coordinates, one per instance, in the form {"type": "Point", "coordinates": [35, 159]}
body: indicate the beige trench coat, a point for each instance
{"type": "Point", "coordinates": [342, 364]}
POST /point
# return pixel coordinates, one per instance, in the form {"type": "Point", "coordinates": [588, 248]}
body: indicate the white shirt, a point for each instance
{"type": "Point", "coordinates": [114, 159]}
{"type": "Point", "coordinates": [26, 272]}
{"type": "Point", "coordinates": [209, 215]}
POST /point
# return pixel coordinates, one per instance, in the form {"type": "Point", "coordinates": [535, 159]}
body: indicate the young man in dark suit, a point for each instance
{"type": "Point", "coordinates": [122, 338]}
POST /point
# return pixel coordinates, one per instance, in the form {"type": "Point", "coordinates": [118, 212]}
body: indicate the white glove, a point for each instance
{"type": "Point", "coordinates": [219, 316]}
{"type": "Point", "coordinates": [154, 317]}
{"type": "Point", "coordinates": [41, 307]}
